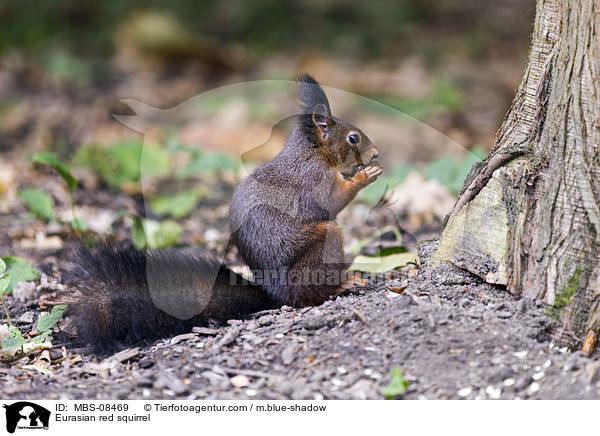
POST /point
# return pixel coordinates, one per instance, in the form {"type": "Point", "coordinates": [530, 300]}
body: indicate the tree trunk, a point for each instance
{"type": "Point", "coordinates": [528, 216]}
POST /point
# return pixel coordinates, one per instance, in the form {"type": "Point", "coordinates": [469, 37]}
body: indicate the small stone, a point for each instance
{"type": "Point", "coordinates": [146, 363]}
{"type": "Point", "coordinates": [493, 392]}
{"type": "Point", "coordinates": [27, 317]}
{"type": "Point", "coordinates": [251, 392]}
{"type": "Point", "coordinates": [509, 382]}
{"type": "Point", "coordinates": [212, 235]}
{"type": "Point", "coordinates": [360, 390]}
{"type": "Point", "coordinates": [521, 354]}
{"type": "Point", "coordinates": [465, 392]}
{"type": "Point", "coordinates": [337, 382]}
{"type": "Point", "coordinates": [216, 380]}
{"type": "Point", "coordinates": [538, 375]}
{"type": "Point", "coordinates": [24, 291]}
{"type": "Point", "coordinates": [533, 388]}
{"type": "Point", "coordinates": [56, 354]}
{"type": "Point", "coordinates": [313, 323]}
{"type": "Point", "coordinates": [547, 364]}
{"type": "Point", "coordinates": [265, 320]}
{"type": "Point", "coordinates": [171, 382]}
{"type": "Point", "coordinates": [240, 381]}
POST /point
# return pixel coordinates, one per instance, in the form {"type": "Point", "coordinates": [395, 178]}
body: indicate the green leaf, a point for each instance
{"type": "Point", "coordinates": [397, 386]}
{"type": "Point", "coordinates": [78, 224]}
{"type": "Point", "coordinates": [121, 163]}
{"type": "Point", "coordinates": [62, 168]}
{"type": "Point", "coordinates": [138, 232]}
{"type": "Point", "coordinates": [10, 343]}
{"type": "Point", "coordinates": [388, 251]}
{"type": "Point", "coordinates": [382, 264]}
{"type": "Point", "coordinates": [39, 203]}
{"type": "Point", "coordinates": [444, 169]}
{"type": "Point", "coordinates": [207, 161]}
{"type": "Point", "coordinates": [154, 234]}
{"type": "Point", "coordinates": [20, 270]}
{"type": "Point", "coordinates": [2, 266]}
{"type": "Point", "coordinates": [15, 332]}
{"type": "Point", "coordinates": [451, 171]}
{"type": "Point", "coordinates": [177, 205]}
{"type": "Point", "coordinates": [47, 320]}
{"type": "Point", "coordinates": [155, 161]}
{"type": "Point", "coordinates": [124, 161]}
{"type": "Point", "coordinates": [38, 339]}
{"type": "Point", "coordinates": [168, 233]}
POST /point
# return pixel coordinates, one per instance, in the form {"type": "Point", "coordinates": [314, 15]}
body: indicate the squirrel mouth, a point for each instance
{"type": "Point", "coordinates": [361, 166]}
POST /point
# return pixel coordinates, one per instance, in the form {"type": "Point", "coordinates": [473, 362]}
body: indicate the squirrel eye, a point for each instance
{"type": "Point", "coordinates": [353, 138]}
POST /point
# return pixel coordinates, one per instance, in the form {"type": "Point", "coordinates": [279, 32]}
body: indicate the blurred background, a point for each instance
{"type": "Point", "coordinates": [427, 79]}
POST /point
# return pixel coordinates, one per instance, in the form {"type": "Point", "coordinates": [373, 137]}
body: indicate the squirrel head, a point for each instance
{"type": "Point", "coordinates": [342, 144]}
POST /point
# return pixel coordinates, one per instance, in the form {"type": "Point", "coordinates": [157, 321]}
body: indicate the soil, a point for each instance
{"type": "Point", "coordinates": [454, 337]}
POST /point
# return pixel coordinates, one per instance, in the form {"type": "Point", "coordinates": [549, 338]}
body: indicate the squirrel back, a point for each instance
{"type": "Point", "coordinates": [282, 222]}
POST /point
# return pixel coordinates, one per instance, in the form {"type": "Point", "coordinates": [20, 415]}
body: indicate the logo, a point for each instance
{"type": "Point", "coordinates": [26, 415]}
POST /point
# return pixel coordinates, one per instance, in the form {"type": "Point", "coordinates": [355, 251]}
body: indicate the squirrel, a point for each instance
{"type": "Point", "coordinates": [282, 219]}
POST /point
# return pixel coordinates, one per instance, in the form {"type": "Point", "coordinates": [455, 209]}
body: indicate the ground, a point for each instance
{"type": "Point", "coordinates": [453, 336]}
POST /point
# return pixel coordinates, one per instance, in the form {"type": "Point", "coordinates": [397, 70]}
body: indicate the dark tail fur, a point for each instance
{"type": "Point", "coordinates": [125, 295]}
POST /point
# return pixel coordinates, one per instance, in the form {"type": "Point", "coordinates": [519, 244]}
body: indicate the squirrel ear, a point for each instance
{"type": "Point", "coordinates": [311, 94]}
{"type": "Point", "coordinates": [321, 119]}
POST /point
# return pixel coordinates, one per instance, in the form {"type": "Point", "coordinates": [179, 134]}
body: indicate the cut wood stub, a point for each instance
{"type": "Point", "coordinates": [477, 237]}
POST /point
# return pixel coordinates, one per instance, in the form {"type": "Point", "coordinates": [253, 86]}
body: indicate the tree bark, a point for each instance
{"type": "Point", "coordinates": [528, 216]}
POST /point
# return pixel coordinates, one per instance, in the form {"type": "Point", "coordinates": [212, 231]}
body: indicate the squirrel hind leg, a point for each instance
{"type": "Point", "coordinates": [320, 270]}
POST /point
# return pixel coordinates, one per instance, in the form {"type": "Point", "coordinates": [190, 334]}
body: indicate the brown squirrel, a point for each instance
{"type": "Point", "coordinates": [282, 222]}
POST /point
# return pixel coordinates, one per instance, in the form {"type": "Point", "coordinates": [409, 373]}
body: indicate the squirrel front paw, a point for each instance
{"type": "Point", "coordinates": [367, 175]}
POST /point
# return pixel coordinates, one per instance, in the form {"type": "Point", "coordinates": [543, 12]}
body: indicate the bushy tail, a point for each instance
{"type": "Point", "coordinates": [124, 295]}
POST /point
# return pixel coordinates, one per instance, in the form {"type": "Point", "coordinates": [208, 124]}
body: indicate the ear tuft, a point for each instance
{"type": "Point", "coordinates": [311, 94]}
